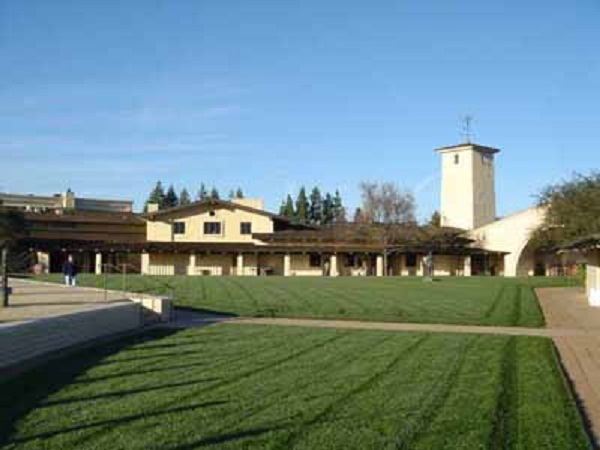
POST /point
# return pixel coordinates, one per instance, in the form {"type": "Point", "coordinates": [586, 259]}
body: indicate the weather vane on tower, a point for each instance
{"type": "Point", "coordinates": [467, 130]}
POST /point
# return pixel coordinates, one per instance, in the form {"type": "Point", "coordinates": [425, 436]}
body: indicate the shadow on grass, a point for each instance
{"type": "Point", "coordinates": [206, 311]}
{"type": "Point", "coordinates": [119, 421]}
{"type": "Point", "coordinates": [227, 437]}
{"type": "Point", "coordinates": [124, 392]}
{"type": "Point", "coordinates": [21, 395]}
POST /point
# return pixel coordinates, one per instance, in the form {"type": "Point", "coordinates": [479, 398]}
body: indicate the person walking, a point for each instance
{"type": "Point", "coordinates": [70, 272]}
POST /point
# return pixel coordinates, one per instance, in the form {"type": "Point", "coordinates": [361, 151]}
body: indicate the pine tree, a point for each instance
{"type": "Point", "coordinates": [436, 220]}
{"type": "Point", "coordinates": [184, 197]}
{"type": "Point", "coordinates": [282, 208]}
{"type": "Point", "coordinates": [359, 216]}
{"type": "Point", "coordinates": [214, 194]}
{"type": "Point", "coordinates": [288, 208]}
{"type": "Point", "coordinates": [302, 206]}
{"type": "Point", "coordinates": [239, 193]}
{"type": "Point", "coordinates": [339, 212]}
{"type": "Point", "coordinates": [316, 206]}
{"type": "Point", "coordinates": [171, 198]}
{"type": "Point", "coordinates": [328, 209]}
{"type": "Point", "coordinates": [231, 194]}
{"type": "Point", "coordinates": [202, 193]}
{"type": "Point", "coordinates": [157, 196]}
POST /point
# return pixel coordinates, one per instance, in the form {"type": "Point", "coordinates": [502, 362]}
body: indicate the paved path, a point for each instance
{"type": "Point", "coordinates": [422, 327]}
{"type": "Point", "coordinates": [580, 355]}
{"type": "Point", "coordinates": [33, 300]}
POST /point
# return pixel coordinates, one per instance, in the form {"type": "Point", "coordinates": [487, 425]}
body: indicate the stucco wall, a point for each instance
{"type": "Point", "coordinates": [512, 234]}
{"type": "Point", "coordinates": [22, 341]}
{"type": "Point", "coordinates": [468, 195]}
{"type": "Point", "coordinates": [230, 219]}
{"type": "Point", "coordinates": [300, 266]}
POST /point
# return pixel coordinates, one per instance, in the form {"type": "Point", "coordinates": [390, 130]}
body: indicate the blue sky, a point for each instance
{"type": "Point", "coordinates": [106, 97]}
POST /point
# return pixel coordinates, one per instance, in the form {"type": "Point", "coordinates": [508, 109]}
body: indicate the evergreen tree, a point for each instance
{"type": "Point", "coordinates": [328, 209]}
{"type": "Point", "coordinates": [214, 194]}
{"type": "Point", "coordinates": [436, 220]}
{"type": "Point", "coordinates": [239, 193]}
{"type": "Point", "coordinates": [171, 198]}
{"type": "Point", "coordinates": [316, 206]}
{"type": "Point", "coordinates": [359, 216]}
{"type": "Point", "coordinates": [184, 197]}
{"type": "Point", "coordinates": [282, 208]}
{"type": "Point", "coordinates": [202, 193]}
{"type": "Point", "coordinates": [302, 206]}
{"type": "Point", "coordinates": [288, 208]}
{"type": "Point", "coordinates": [157, 196]}
{"type": "Point", "coordinates": [231, 194]}
{"type": "Point", "coordinates": [339, 212]}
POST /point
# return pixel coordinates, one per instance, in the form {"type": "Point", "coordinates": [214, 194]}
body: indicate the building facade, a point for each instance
{"type": "Point", "coordinates": [240, 238]}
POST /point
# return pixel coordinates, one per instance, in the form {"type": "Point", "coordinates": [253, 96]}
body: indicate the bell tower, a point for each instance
{"type": "Point", "coordinates": [468, 197]}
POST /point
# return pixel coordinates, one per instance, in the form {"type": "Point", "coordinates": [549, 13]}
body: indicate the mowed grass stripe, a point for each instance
{"type": "Point", "coordinates": [300, 388]}
{"type": "Point", "coordinates": [451, 300]}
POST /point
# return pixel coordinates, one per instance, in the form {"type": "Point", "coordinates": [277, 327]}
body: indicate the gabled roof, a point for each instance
{"type": "Point", "coordinates": [214, 203]}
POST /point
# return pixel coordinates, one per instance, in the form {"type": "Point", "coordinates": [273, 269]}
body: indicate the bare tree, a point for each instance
{"type": "Point", "coordinates": [386, 206]}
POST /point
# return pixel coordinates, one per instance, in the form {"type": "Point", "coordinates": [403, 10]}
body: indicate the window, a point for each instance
{"type": "Point", "coordinates": [411, 260]}
{"type": "Point", "coordinates": [212, 227]}
{"type": "Point", "coordinates": [246, 228]}
{"type": "Point", "coordinates": [487, 159]}
{"type": "Point", "coordinates": [456, 159]}
{"type": "Point", "coordinates": [212, 213]}
{"type": "Point", "coordinates": [179, 228]}
{"type": "Point", "coordinates": [314, 260]}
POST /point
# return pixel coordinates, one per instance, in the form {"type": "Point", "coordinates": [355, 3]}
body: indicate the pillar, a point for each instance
{"type": "Point", "coordinates": [287, 265]}
{"type": "Point", "coordinates": [379, 266]}
{"type": "Point", "coordinates": [420, 268]}
{"type": "Point", "coordinates": [98, 265]}
{"type": "Point", "coordinates": [467, 267]}
{"type": "Point", "coordinates": [145, 263]}
{"type": "Point", "coordinates": [192, 264]}
{"type": "Point", "coordinates": [43, 259]}
{"type": "Point", "coordinates": [333, 268]}
{"type": "Point", "coordinates": [239, 265]}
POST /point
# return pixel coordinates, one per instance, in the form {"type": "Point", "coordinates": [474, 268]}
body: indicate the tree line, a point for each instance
{"type": "Point", "coordinates": [170, 198]}
{"type": "Point", "coordinates": [316, 208]}
{"type": "Point", "coordinates": [572, 211]}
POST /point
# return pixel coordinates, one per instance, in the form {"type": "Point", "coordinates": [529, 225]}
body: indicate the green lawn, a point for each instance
{"type": "Point", "coordinates": [485, 301]}
{"type": "Point", "coordinates": [236, 386]}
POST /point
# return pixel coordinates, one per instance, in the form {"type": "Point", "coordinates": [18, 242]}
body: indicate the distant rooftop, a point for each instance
{"type": "Point", "coordinates": [469, 146]}
{"type": "Point", "coordinates": [64, 201]}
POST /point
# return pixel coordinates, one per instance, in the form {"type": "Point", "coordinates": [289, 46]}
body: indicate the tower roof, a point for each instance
{"type": "Point", "coordinates": [468, 146]}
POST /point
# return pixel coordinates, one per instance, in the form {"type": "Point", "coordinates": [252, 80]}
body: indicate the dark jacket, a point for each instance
{"type": "Point", "coordinates": [69, 269]}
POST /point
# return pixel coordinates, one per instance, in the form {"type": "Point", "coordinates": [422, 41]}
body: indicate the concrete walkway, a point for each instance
{"type": "Point", "coordinates": [421, 327]}
{"type": "Point", "coordinates": [34, 300]}
{"type": "Point", "coordinates": [580, 354]}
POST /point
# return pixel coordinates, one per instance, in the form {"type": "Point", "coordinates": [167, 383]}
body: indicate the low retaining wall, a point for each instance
{"type": "Point", "coordinates": [25, 341]}
{"type": "Point", "coordinates": [154, 309]}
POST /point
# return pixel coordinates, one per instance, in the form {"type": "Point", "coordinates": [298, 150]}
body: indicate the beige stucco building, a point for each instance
{"type": "Point", "coordinates": [468, 202]}
{"type": "Point", "coordinates": [238, 237]}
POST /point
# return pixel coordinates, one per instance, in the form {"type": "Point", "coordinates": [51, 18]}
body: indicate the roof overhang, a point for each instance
{"type": "Point", "coordinates": [468, 146]}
